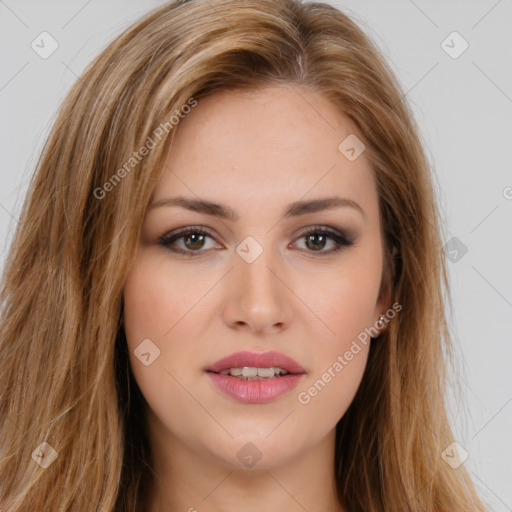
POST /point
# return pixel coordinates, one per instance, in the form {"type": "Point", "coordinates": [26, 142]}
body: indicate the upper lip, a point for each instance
{"type": "Point", "coordinates": [256, 360]}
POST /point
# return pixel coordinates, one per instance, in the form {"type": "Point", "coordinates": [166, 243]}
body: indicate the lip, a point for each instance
{"type": "Point", "coordinates": [256, 391]}
{"type": "Point", "coordinates": [256, 360]}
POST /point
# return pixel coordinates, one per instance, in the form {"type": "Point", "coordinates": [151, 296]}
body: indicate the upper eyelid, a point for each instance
{"type": "Point", "coordinates": [205, 230]}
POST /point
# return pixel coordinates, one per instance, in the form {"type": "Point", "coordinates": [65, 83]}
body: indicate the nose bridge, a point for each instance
{"type": "Point", "coordinates": [253, 268]}
{"type": "Point", "coordinates": [256, 296]}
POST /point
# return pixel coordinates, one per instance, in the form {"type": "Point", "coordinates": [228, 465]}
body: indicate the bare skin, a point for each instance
{"type": "Point", "coordinates": [255, 152]}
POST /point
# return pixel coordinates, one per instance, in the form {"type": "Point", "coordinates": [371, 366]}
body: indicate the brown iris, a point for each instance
{"type": "Point", "coordinates": [314, 239]}
{"type": "Point", "coordinates": [197, 241]}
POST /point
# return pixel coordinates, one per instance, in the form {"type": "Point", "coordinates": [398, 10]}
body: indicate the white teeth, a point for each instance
{"type": "Point", "coordinates": [263, 372]}
{"type": "Point", "coordinates": [248, 371]}
{"type": "Point", "coordinates": [251, 373]}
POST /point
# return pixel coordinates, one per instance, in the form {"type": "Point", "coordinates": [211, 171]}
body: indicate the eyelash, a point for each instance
{"type": "Point", "coordinates": [168, 239]}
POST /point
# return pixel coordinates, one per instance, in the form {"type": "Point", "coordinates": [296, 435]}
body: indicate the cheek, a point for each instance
{"type": "Point", "coordinates": [339, 359]}
{"type": "Point", "coordinates": [157, 307]}
{"type": "Point", "coordinates": [157, 299]}
{"type": "Point", "coordinates": [326, 396]}
{"type": "Point", "coordinates": [344, 299]}
{"type": "Point", "coordinates": [345, 304]}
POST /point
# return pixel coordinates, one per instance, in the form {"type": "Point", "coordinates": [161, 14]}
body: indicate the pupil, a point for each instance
{"type": "Point", "coordinates": [195, 241]}
{"type": "Point", "coordinates": [315, 238]}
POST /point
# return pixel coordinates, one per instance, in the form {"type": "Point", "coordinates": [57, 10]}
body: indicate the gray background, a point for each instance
{"type": "Point", "coordinates": [463, 106]}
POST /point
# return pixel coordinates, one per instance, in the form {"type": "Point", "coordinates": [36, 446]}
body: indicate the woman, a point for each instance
{"type": "Point", "coordinates": [226, 285]}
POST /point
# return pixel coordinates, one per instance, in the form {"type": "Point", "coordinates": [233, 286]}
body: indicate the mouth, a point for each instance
{"type": "Point", "coordinates": [256, 365]}
{"type": "Point", "coordinates": [275, 374]}
{"type": "Point", "coordinates": [253, 373]}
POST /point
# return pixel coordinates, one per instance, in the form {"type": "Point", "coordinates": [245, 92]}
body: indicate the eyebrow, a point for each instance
{"type": "Point", "coordinates": [225, 212]}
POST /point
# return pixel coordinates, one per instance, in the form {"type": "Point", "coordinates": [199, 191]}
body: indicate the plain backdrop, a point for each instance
{"type": "Point", "coordinates": [460, 87]}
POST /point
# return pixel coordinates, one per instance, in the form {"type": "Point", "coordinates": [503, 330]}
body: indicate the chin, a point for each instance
{"type": "Point", "coordinates": [253, 454]}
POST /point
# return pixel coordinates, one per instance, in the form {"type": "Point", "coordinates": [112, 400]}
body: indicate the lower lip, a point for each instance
{"type": "Point", "coordinates": [255, 391]}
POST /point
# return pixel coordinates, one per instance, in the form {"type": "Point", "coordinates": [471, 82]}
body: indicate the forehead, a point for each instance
{"type": "Point", "coordinates": [276, 144]}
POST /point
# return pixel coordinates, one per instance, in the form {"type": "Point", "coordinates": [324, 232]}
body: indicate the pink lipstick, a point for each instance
{"type": "Point", "coordinates": [255, 377]}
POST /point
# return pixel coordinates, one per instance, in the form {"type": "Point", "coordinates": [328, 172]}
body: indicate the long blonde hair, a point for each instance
{"type": "Point", "coordinates": [65, 378]}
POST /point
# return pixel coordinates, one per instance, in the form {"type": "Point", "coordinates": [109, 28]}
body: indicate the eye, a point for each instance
{"type": "Point", "coordinates": [317, 238]}
{"type": "Point", "coordinates": [193, 238]}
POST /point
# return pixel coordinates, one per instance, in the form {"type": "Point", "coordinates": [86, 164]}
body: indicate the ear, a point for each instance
{"type": "Point", "coordinates": [385, 298]}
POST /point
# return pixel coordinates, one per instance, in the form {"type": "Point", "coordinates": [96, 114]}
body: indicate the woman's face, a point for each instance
{"type": "Point", "coordinates": [266, 278]}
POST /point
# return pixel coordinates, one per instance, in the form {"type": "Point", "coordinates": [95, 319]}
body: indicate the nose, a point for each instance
{"type": "Point", "coordinates": [257, 298]}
